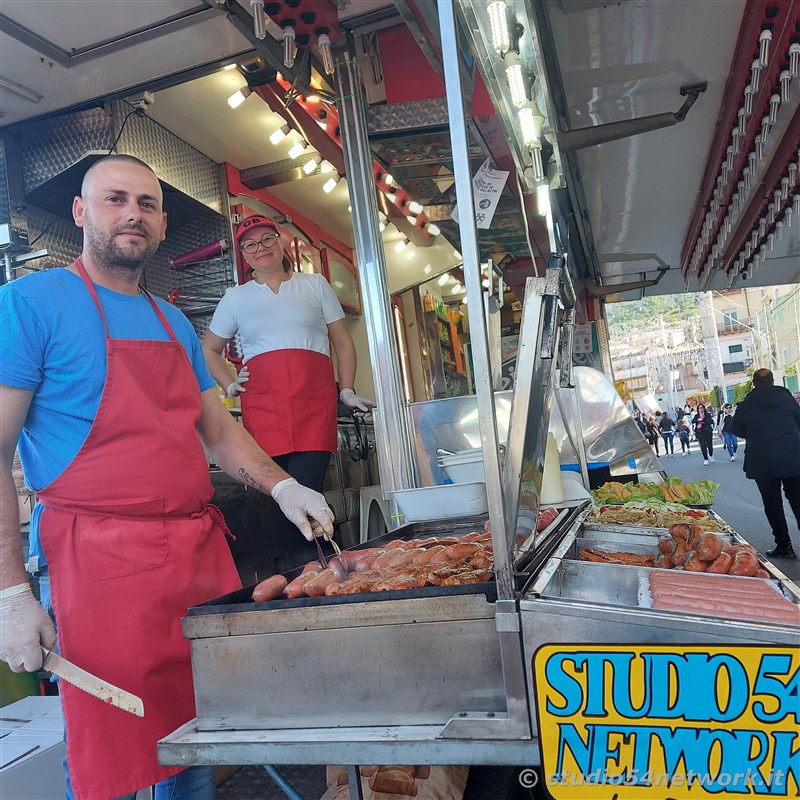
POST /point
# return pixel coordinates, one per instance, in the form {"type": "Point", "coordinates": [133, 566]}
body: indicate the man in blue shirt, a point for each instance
{"type": "Point", "coordinates": [104, 390]}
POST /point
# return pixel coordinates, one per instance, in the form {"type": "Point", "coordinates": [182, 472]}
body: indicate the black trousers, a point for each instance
{"type": "Point", "coordinates": [770, 489]}
{"type": "Point", "coordinates": [307, 468]}
{"type": "Point", "coordinates": [706, 439]}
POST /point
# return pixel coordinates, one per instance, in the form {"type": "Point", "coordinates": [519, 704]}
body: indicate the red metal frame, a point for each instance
{"type": "Point", "coordinates": [785, 154]}
{"type": "Point", "coordinates": [782, 18]}
{"type": "Point", "coordinates": [320, 237]}
{"type": "Point", "coordinates": [309, 18]}
{"type": "Point", "coordinates": [318, 123]}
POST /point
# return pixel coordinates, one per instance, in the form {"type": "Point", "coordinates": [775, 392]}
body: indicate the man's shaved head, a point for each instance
{"type": "Point", "coordinates": [120, 212]}
{"type": "Point", "coordinates": [122, 158]}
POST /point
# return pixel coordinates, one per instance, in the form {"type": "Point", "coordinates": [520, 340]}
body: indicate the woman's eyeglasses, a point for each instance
{"type": "Point", "coordinates": [266, 240]}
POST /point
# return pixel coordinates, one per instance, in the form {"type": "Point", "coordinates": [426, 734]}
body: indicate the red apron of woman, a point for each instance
{"type": "Point", "coordinates": [289, 405]}
{"type": "Point", "coordinates": [131, 543]}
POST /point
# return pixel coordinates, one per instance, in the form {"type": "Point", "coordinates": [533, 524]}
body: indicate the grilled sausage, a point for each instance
{"type": "Point", "coordinates": [337, 566]}
{"type": "Point", "coordinates": [744, 563]}
{"type": "Point", "coordinates": [352, 557]}
{"type": "Point", "coordinates": [707, 546]}
{"type": "Point", "coordinates": [312, 566]}
{"type": "Point", "coordinates": [296, 588]}
{"type": "Point", "coordinates": [681, 530]}
{"type": "Point", "coordinates": [457, 552]}
{"type": "Point", "coordinates": [316, 586]}
{"type": "Point", "coordinates": [721, 564]}
{"type": "Point", "coordinates": [666, 546]}
{"type": "Point", "coordinates": [270, 589]}
{"type": "Point", "coordinates": [694, 563]}
{"type": "Point", "coordinates": [430, 555]}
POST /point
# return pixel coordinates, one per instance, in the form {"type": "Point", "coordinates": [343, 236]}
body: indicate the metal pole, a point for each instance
{"type": "Point", "coordinates": [392, 426]}
{"type": "Point", "coordinates": [470, 253]}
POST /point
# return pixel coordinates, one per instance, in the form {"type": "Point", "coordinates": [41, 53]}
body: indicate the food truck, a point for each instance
{"type": "Point", "coordinates": [477, 179]}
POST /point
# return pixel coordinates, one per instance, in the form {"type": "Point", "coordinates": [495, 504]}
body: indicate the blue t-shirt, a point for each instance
{"type": "Point", "coordinates": [52, 343]}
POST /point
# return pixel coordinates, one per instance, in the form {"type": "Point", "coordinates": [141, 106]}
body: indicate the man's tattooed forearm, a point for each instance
{"type": "Point", "coordinates": [245, 477]}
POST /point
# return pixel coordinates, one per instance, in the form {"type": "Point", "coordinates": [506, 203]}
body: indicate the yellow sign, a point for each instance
{"type": "Point", "coordinates": [640, 722]}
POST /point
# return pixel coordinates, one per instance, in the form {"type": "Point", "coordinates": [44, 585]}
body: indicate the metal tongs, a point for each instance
{"type": "Point", "coordinates": [336, 549]}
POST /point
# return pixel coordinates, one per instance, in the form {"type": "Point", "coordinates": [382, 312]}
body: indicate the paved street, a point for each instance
{"type": "Point", "coordinates": [738, 501]}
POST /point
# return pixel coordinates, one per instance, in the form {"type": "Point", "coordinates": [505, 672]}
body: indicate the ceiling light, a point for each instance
{"type": "Point", "coordinates": [401, 245]}
{"type": "Point", "coordinates": [443, 279]}
{"type": "Point", "coordinates": [410, 253]}
{"type": "Point", "coordinates": [530, 121]}
{"type": "Point", "coordinates": [381, 227]}
{"type": "Point", "coordinates": [543, 199]}
{"type": "Point", "coordinates": [239, 96]}
{"type": "Point", "coordinates": [499, 26]}
{"type": "Point", "coordinates": [349, 209]}
{"type": "Point", "coordinates": [330, 184]}
{"type": "Point", "coordinates": [311, 164]}
{"type": "Point", "coordinates": [326, 167]}
{"type": "Point", "coordinates": [412, 220]}
{"type": "Point", "coordinates": [288, 46]}
{"type": "Point", "coordinates": [230, 66]}
{"type": "Point", "coordinates": [297, 149]}
{"type": "Point", "coordinates": [456, 288]}
{"type": "Point", "coordinates": [279, 134]}
{"type": "Point", "coordinates": [19, 89]}
{"type": "Point", "coordinates": [516, 82]}
{"type": "Point", "coordinates": [388, 179]}
{"type": "Point", "coordinates": [324, 44]}
{"type": "Point", "coordinates": [414, 207]}
{"type": "Point", "coordinates": [433, 230]}
{"type": "Point", "coordinates": [485, 283]}
{"type": "Point", "coordinates": [259, 20]}
{"type": "Point", "coordinates": [312, 98]}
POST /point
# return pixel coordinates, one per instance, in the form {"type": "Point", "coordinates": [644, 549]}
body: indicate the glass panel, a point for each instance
{"type": "Point", "coordinates": [344, 283]}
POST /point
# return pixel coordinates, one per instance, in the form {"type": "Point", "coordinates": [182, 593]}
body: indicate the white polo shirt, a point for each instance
{"type": "Point", "coordinates": [296, 317]}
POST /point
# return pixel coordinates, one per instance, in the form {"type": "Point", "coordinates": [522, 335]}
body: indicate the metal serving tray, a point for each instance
{"type": "Point", "coordinates": [417, 657]}
{"type": "Point", "coordinates": [582, 601]}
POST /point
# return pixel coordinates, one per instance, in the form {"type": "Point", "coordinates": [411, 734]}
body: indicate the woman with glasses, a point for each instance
{"type": "Point", "coordinates": [286, 322]}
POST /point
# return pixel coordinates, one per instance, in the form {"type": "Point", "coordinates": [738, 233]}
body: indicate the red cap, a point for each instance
{"type": "Point", "coordinates": [255, 221]}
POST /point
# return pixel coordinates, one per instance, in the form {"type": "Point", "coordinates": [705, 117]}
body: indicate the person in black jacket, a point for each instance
{"type": "Point", "coordinates": [769, 419]}
{"type": "Point", "coordinates": [724, 424]}
{"type": "Point", "coordinates": [666, 426]}
{"type": "Point", "coordinates": [703, 425]}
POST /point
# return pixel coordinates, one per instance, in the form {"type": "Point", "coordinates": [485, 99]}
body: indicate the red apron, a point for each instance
{"type": "Point", "coordinates": [290, 402]}
{"type": "Point", "coordinates": [131, 543]}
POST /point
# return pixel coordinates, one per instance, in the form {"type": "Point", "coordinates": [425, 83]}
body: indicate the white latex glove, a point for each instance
{"type": "Point", "coordinates": [355, 401]}
{"type": "Point", "coordinates": [305, 508]}
{"type": "Point", "coordinates": [237, 387]}
{"type": "Point", "coordinates": [25, 628]}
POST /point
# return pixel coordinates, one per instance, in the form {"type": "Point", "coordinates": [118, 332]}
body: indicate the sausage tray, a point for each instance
{"type": "Point", "coordinates": [571, 600]}
{"type": "Point", "coordinates": [418, 656]}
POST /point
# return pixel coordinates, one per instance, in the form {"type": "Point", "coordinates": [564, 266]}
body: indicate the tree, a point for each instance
{"type": "Point", "coordinates": [741, 390]}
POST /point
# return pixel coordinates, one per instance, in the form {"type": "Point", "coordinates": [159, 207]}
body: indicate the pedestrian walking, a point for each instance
{"type": "Point", "coordinates": [666, 426]}
{"type": "Point", "coordinates": [654, 435]}
{"type": "Point", "coordinates": [726, 431]}
{"type": "Point", "coordinates": [769, 419]}
{"type": "Point", "coordinates": [704, 432]}
{"type": "Point", "coordinates": [683, 434]}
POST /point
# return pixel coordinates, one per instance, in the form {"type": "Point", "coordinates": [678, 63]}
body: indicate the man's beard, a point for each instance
{"type": "Point", "coordinates": [112, 258]}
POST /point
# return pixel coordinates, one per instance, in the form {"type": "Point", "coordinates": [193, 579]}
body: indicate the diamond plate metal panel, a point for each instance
{"type": "Point", "coordinates": [209, 279]}
{"type": "Point", "coordinates": [59, 235]}
{"type": "Point", "coordinates": [173, 160]}
{"type": "Point", "coordinates": [401, 117]}
{"type": "Point", "coordinates": [64, 242]}
{"type": "Point", "coordinates": [52, 145]}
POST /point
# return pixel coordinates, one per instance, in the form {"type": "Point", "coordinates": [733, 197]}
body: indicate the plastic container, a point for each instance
{"type": "Point", "coordinates": [442, 502]}
{"type": "Point", "coordinates": [464, 467]}
{"type": "Point", "coordinates": [552, 487]}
